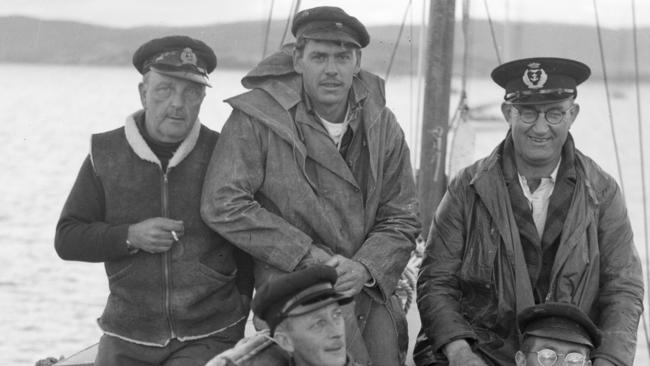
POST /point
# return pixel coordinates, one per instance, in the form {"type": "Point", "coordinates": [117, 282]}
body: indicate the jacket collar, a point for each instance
{"type": "Point", "coordinates": [144, 152]}
{"type": "Point", "coordinates": [276, 75]}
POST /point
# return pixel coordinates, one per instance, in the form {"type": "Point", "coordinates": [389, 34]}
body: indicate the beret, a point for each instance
{"type": "Point", "coordinates": [296, 293]}
{"type": "Point", "coordinates": [540, 79]}
{"type": "Point", "coordinates": [329, 23]}
{"type": "Point", "coordinates": [179, 56]}
{"type": "Point", "coordinates": [560, 321]}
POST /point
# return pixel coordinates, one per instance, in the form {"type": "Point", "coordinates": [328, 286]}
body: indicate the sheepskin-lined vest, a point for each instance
{"type": "Point", "coordinates": [188, 292]}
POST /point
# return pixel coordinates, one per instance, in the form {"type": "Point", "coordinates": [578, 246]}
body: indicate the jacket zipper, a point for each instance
{"type": "Point", "coordinates": [167, 258]}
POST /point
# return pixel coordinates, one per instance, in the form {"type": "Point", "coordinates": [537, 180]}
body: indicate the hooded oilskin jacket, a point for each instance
{"type": "Point", "coordinates": [188, 292]}
{"type": "Point", "coordinates": [286, 186]}
{"type": "Point", "coordinates": [474, 277]}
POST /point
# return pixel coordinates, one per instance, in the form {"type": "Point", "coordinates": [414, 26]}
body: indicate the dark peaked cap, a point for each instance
{"type": "Point", "coordinates": [296, 293]}
{"type": "Point", "coordinates": [329, 23]}
{"type": "Point", "coordinates": [178, 56]}
{"type": "Point", "coordinates": [561, 321]}
{"type": "Point", "coordinates": [540, 79]}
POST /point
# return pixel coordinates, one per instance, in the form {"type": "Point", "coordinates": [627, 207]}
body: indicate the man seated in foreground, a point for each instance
{"type": "Point", "coordinates": [556, 330]}
{"type": "Point", "coordinates": [303, 312]}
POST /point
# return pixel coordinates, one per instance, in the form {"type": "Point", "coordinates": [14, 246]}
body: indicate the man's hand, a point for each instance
{"type": "Point", "coordinates": [316, 255]}
{"type": "Point", "coordinates": [459, 353]}
{"type": "Point", "coordinates": [352, 275]}
{"type": "Point", "coordinates": [155, 235]}
{"type": "Point", "coordinates": [602, 362]}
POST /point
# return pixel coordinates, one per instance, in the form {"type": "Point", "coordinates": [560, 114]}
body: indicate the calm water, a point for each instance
{"type": "Point", "coordinates": [49, 307]}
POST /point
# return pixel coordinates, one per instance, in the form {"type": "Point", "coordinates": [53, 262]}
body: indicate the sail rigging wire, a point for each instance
{"type": "Point", "coordinates": [609, 103]}
{"type": "Point", "coordinates": [460, 114]}
{"type": "Point", "coordinates": [268, 30]}
{"type": "Point", "coordinates": [295, 5]}
{"type": "Point", "coordinates": [399, 37]}
{"type": "Point", "coordinates": [411, 68]}
{"type": "Point", "coordinates": [494, 38]}
{"type": "Point", "coordinates": [420, 105]}
{"type": "Point", "coordinates": [641, 153]}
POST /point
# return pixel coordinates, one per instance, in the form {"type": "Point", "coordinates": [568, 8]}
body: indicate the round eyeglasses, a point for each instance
{"type": "Point", "coordinates": [553, 116]}
{"type": "Point", "coordinates": [548, 357]}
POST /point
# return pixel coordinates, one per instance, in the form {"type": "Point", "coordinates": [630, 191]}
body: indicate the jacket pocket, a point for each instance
{"type": "Point", "coordinates": [213, 275]}
{"type": "Point", "coordinates": [118, 270]}
{"type": "Point", "coordinates": [480, 253]}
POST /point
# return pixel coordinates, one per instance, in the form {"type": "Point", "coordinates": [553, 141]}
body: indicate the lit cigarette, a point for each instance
{"type": "Point", "coordinates": [175, 235]}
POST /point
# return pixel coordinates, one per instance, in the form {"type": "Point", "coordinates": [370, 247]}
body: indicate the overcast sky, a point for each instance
{"type": "Point", "coordinates": [128, 13]}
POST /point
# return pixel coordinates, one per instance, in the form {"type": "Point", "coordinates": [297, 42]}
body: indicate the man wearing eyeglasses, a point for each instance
{"type": "Point", "coordinates": [537, 221]}
{"type": "Point", "coordinates": [555, 334]}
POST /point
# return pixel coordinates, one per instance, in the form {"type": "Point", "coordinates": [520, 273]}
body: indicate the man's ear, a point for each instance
{"type": "Point", "coordinates": [284, 341]}
{"type": "Point", "coordinates": [297, 61]}
{"type": "Point", "coordinates": [574, 113]}
{"type": "Point", "coordinates": [142, 89]}
{"type": "Point", "coordinates": [506, 109]}
{"type": "Point", "coordinates": [357, 67]}
{"type": "Point", "coordinates": [520, 358]}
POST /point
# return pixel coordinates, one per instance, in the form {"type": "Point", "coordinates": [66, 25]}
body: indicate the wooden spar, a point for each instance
{"type": "Point", "coordinates": [432, 181]}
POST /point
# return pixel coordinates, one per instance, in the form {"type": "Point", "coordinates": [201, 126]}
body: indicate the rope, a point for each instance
{"type": "Point", "coordinates": [609, 103]}
{"type": "Point", "coordinates": [399, 37]}
{"type": "Point", "coordinates": [643, 183]}
{"type": "Point", "coordinates": [268, 30]}
{"type": "Point", "coordinates": [494, 38]}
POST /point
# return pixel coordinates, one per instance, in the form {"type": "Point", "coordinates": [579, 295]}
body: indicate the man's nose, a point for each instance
{"type": "Point", "coordinates": [335, 329]}
{"type": "Point", "coordinates": [177, 99]}
{"type": "Point", "coordinates": [330, 67]}
{"type": "Point", "coordinates": [540, 124]}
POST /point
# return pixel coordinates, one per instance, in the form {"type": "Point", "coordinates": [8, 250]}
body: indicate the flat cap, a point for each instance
{"type": "Point", "coordinates": [540, 79]}
{"type": "Point", "coordinates": [329, 23]}
{"type": "Point", "coordinates": [296, 293]}
{"type": "Point", "coordinates": [560, 321]}
{"type": "Point", "coordinates": [179, 56]}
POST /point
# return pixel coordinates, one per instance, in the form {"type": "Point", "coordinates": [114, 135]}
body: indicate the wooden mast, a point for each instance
{"type": "Point", "coordinates": [432, 181]}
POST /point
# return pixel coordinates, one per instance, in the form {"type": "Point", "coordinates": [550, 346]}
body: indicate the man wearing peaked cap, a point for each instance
{"type": "Point", "coordinates": [320, 173]}
{"type": "Point", "coordinates": [303, 312]}
{"type": "Point", "coordinates": [329, 23]}
{"type": "Point", "coordinates": [178, 291]}
{"type": "Point", "coordinates": [540, 80]}
{"type": "Point", "coordinates": [178, 56]}
{"type": "Point", "coordinates": [556, 330]}
{"type": "Point", "coordinates": [541, 218]}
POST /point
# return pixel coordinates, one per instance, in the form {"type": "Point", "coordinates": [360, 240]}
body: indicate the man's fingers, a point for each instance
{"type": "Point", "coordinates": [347, 293]}
{"type": "Point", "coordinates": [333, 262]}
{"type": "Point", "coordinates": [169, 224]}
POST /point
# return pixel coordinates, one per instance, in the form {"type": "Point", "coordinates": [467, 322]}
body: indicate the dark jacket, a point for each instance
{"type": "Point", "coordinates": [474, 279]}
{"type": "Point", "coordinates": [287, 187]}
{"type": "Point", "coordinates": [187, 292]}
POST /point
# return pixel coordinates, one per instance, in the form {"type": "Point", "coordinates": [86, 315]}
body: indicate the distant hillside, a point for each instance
{"type": "Point", "coordinates": [239, 45]}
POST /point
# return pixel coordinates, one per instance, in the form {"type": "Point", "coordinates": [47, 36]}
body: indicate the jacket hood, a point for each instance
{"type": "Point", "coordinates": [275, 75]}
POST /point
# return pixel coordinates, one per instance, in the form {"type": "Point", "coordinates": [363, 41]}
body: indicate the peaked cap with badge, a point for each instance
{"type": "Point", "coordinates": [179, 56]}
{"type": "Point", "coordinates": [296, 293]}
{"type": "Point", "coordinates": [329, 23]}
{"type": "Point", "coordinates": [540, 79]}
{"type": "Point", "coordinates": [560, 321]}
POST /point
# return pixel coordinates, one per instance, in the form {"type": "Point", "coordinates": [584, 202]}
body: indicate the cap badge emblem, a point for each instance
{"type": "Point", "coordinates": [338, 25]}
{"type": "Point", "coordinates": [534, 77]}
{"type": "Point", "coordinates": [162, 56]}
{"type": "Point", "coordinates": [188, 56]}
